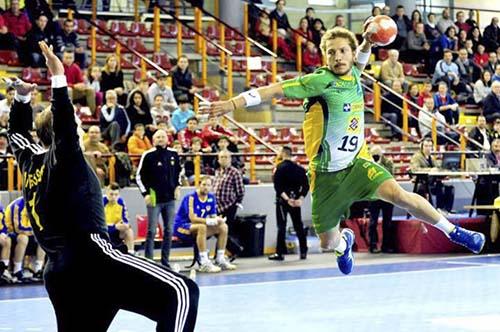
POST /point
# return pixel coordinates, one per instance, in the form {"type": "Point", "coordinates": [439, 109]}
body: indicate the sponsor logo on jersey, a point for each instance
{"type": "Point", "coordinates": [347, 107]}
{"type": "Point", "coordinates": [354, 124]}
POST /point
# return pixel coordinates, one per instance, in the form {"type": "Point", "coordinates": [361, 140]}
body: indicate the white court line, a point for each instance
{"type": "Point", "coordinates": [472, 264]}
{"type": "Point", "coordinates": [359, 276]}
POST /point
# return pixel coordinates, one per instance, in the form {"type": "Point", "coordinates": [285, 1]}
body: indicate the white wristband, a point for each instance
{"type": "Point", "coordinates": [59, 81]}
{"type": "Point", "coordinates": [252, 97]}
{"type": "Point", "coordinates": [25, 99]}
{"type": "Point", "coordinates": [362, 57]}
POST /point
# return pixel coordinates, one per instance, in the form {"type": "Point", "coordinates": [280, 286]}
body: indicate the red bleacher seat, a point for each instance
{"type": "Point", "coordinates": [239, 48]}
{"type": "Point", "coordinates": [143, 30]}
{"type": "Point", "coordinates": [228, 34]}
{"type": "Point", "coordinates": [368, 99]}
{"type": "Point", "coordinates": [9, 57]}
{"type": "Point", "coordinates": [103, 25]}
{"type": "Point", "coordinates": [125, 63]}
{"type": "Point", "coordinates": [142, 229]}
{"type": "Point", "coordinates": [187, 33]}
{"type": "Point", "coordinates": [101, 44]}
{"type": "Point", "coordinates": [258, 80]}
{"type": "Point", "coordinates": [163, 31]}
{"type": "Point", "coordinates": [239, 65]}
{"type": "Point", "coordinates": [212, 32]}
{"type": "Point", "coordinates": [242, 134]}
{"type": "Point", "coordinates": [383, 54]}
{"type": "Point", "coordinates": [82, 27]}
{"type": "Point", "coordinates": [121, 29]}
{"type": "Point", "coordinates": [34, 75]}
{"type": "Point", "coordinates": [136, 43]}
{"type": "Point", "coordinates": [212, 50]}
{"type": "Point", "coordinates": [162, 60]}
{"type": "Point", "coordinates": [407, 69]}
{"type": "Point", "coordinates": [210, 94]}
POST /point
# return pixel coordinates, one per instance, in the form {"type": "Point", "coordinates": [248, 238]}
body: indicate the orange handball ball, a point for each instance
{"type": "Point", "coordinates": [384, 29]}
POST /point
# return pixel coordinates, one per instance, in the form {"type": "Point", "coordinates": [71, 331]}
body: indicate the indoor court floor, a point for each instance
{"type": "Point", "coordinates": [385, 293]}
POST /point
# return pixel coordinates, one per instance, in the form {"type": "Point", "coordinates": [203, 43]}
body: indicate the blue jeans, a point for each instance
{"type": "Point", "coordinates": [167, 211]}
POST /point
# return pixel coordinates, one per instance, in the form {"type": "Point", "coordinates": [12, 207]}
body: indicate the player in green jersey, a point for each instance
{"type": "Point", "coordinates": [341, 171]}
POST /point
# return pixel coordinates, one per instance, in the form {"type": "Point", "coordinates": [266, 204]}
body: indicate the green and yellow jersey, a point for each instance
{"type": "Point", "coordinates": [334, 117]}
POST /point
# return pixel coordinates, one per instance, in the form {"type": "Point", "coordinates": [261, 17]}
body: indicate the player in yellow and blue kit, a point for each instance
{"type": "Point", "coordinates": [116, 216]}
{"type": "Point", "coordinates": [197, 217]}
{"type": "Point", "coordinates": [341, 170]}
{"type": "Point", "coordinates": [5, 244]}
{"type": "Point", "coordinates": [16, 219]}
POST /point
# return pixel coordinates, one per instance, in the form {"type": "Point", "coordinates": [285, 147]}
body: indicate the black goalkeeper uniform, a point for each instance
{"type": "Point", "coordinates": [87, 279]}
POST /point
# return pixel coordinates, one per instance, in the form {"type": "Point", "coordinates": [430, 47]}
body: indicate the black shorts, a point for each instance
{"type": "Point", "coordinates": [87, 289]}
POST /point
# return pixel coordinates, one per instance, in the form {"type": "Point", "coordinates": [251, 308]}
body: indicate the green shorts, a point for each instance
{"type": "Point", "coordinates": [333, 193]}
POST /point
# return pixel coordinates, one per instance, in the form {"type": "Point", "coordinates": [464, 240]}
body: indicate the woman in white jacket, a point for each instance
{"type": "Point", "coordinates": [482, 87]}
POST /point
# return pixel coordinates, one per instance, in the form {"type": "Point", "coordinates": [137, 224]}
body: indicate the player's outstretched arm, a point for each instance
{"type": "Point", "coordinates": [246, 99]}
{"type": "Point", "coordinates": [66, 137]}
{"type": "Point", "coordinates": [364, 50]}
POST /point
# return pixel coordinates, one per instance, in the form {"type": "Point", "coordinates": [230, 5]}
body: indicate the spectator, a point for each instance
{"type": "Point", "coordinates": [94, 82]}
{"type": "Point", "coordinates": [112, 78]}
{"type": "Point", "coordinates": [182, 114]}
{"type": "Point", "coordinates": [413, 95]}
{"type": "Point", "coordinates": [480, 57]}
{"type": "Point", "coordinates": [278, 14]}
{"type": "Point", "coordinates": [493, 157]}
{"type": "Point", "coordinates": [446, 71]}
{"type": "Point", "coordinates": [431, 31]}
{"type": "Point", "coordinates": [67, 38]}
{"type": "Point", "coordinates": [425, 92]}
{"type": "Point", "coordinates": [264, 32]}
{"type": "Point", "coordinates": [446, 42]}
{"type": "Point", "coordinates": [446, 22]}
{"type": "Point", "coordinates": [197, 217]}
{"type": "Point", "coordinates": [404, 26]}
{"type": "Point", "coordinates": [5, 244]}
{"type": "Point", "coordinates": [495, 132]}
{"type": "Point", "coordinates": [446, 104]}
{"type": "Point", "coordinates": [466, 69]}
{"type": "Point", "coordinates": [418, 46]}
{"type": "Point", "coordinates": [213, 130]}
{"type": "Point", "coordinates": [309, 16]}
{"type": "Point", "coordinates": [340, 21]}
{"type": "Point", "coordinates": [7, 39]}
{"type": "Point", "coordinates": [38, 33]}
{"type": "Point", "coordinates": [6, 104]}
{"type": "Point", "coordinates": [187, 134]}
{"type": "Point", "coordinates": [475, 37]}
{"type": "Point", "coordinates": [311, 58]}
{"type": "Point", "coordinates": [182, 79]}
{"type": "Point", "coordinates": [35, 103]}
{"type": "Point", "coordinates": [158, 177]}
{"type": "Point", "coordinates": [305, 31]}
{"type": "Point", "coordinates": [161, 88]}
{"type": "Point", "coordinates": [425, 118]}
{"type": "Point", "coordinates": [388, 227]}
{"type": "Point", "coordinates": [392, 69]}
{"type": "Point", "coordinates": [491, 103]}
{"type": "Point", "coordinates": [94, 149]}
{"type": "Point", "coordinates": [462, 39]}
{"type": "Point", "coordinates": [138, 109]}
{"type": "Point", "coordinates": [491, 35]}
{"type": "Point", "coordinates": [460, 23]}
{"type": "Point", "coordinates": [482, 87]}
{"type": "Point", "coordinates": [35, 8]}
{"type": "Point", "coordinates": [205, 164]}
{"type": "Point", "coordinates": [224, 144]}
{"type": "Point", "coordinates": [116, 214]}
{"type": "Point", "coordinates": [159, 112]}
{"type": "Point", "coordinates": [391, 109]}
{"type": "Point", "coordinates": [386, 10]}
{"type": "Point", "coordinates": [16, 219]}
{"type": "Point", "coordinates": [291, 186]}
{"type": "Point", "coordinates": [114, 122]}
{"type": "Point", "coordinates": [318, 30]}
{"type": "Point", "coordinates": [17, 23]}
{"type": "Point", "coordinates": [491, 65]}
{"type": "Point", "coordinates": [469, 48]}
{"type": "Point", "coordinates": [480, 134]}
{"type": "Point", "coordinates": [76, 86]}
{"type": "Point", "coordinates": [138, 143]}
{"type": "Point", "coordinates": [229, 189]}
{"type": "Point", "coordinates": [471, 21]}
{"type": "Point", "coordinates": [143, 86]}
{"type": "Point", "coordinates": [496, 76]}
{"type": "Point", "coordinates": [4, 151]}
{"type": "Point", "coordinates": [416, 17]}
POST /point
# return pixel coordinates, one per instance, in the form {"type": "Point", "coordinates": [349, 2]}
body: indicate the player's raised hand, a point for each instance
{"type": "Point", "coordinates": [21, 87]}
{"type": "Point", "coordinates": [54, 65]}
{"type": "Point", "coordinates": [216, 107]}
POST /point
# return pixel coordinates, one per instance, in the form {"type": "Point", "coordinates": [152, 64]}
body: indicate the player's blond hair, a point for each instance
{"type": "Point", "coordinates": [44, 126]}
{"type": "Point", "coordinates": [338, 32]}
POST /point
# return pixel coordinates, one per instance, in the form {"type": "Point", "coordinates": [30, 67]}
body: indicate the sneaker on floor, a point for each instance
{"type": "Point", "coordinates": [345, 260]}
{"type": "Point", "coordinates": [474, 241]}
{"type": "Point", "coordinates": [38, 276]}
{"type": "Point", "coordinates": [209, 267]}
{"type": "Point", "coordinates": [225, 265]}
{"type": "Point", "coordinates": [7, 277]}
{"type": "Point", "coordinates": [18, 277]}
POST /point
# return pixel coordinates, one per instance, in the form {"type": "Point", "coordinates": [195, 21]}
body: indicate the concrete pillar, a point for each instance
{"type": "Point", "coordinates": [231, 12]}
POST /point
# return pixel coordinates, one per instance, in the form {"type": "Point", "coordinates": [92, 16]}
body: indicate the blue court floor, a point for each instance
{"type": "Point", "coordinates": [449, 294]}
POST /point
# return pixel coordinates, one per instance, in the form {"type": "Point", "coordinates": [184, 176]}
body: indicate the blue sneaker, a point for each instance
{"type": "Point", "coordinates": [345, 261]}
{"type": "Point", "coordinates": [474, 241]}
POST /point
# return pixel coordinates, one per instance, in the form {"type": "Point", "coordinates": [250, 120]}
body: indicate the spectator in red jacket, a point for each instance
{"type": "Point", "coordinates": [186, 135]}
{"type": "Point", "coordinates": [7, 39]}
{"type": "Point", "coordinates": [481, 57]}
{"type": "Point", "coordinates": [77, 88]}
{"type": "Point", "coordinates": [16, 21]}
{"type": "Point", "coordinates": [212, 131]}
{"type": "Point", "coordinates": [426, 92]}
{"type": "Point", "coordinates": [311, 58]}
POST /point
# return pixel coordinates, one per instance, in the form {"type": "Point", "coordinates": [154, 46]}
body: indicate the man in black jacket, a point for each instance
{"type": "Point", "coordinates": [291, 185]}
{"type": "Point", "coordinates": [158, 178]}
{"type": "Point", "coordinates": [480, 134]}
{"type": "Point", "coordinates": [182, 80]}
{"type": "Point", "coordinates": [64, 204]}
{"type": "Point", "coordinates": [68, 39]}
{"type": "Point", "coordinates": [491, 103]}
{"type": "Point", "coordinates": [38, 33]}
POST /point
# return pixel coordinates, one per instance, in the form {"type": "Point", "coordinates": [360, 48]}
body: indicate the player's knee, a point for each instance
{"type": "Point", "coordinates": [223, 228]}
{"type": "Point", "coordinates": [22, 240]}
{"type": "Point", "coordinates": [202, 229]}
